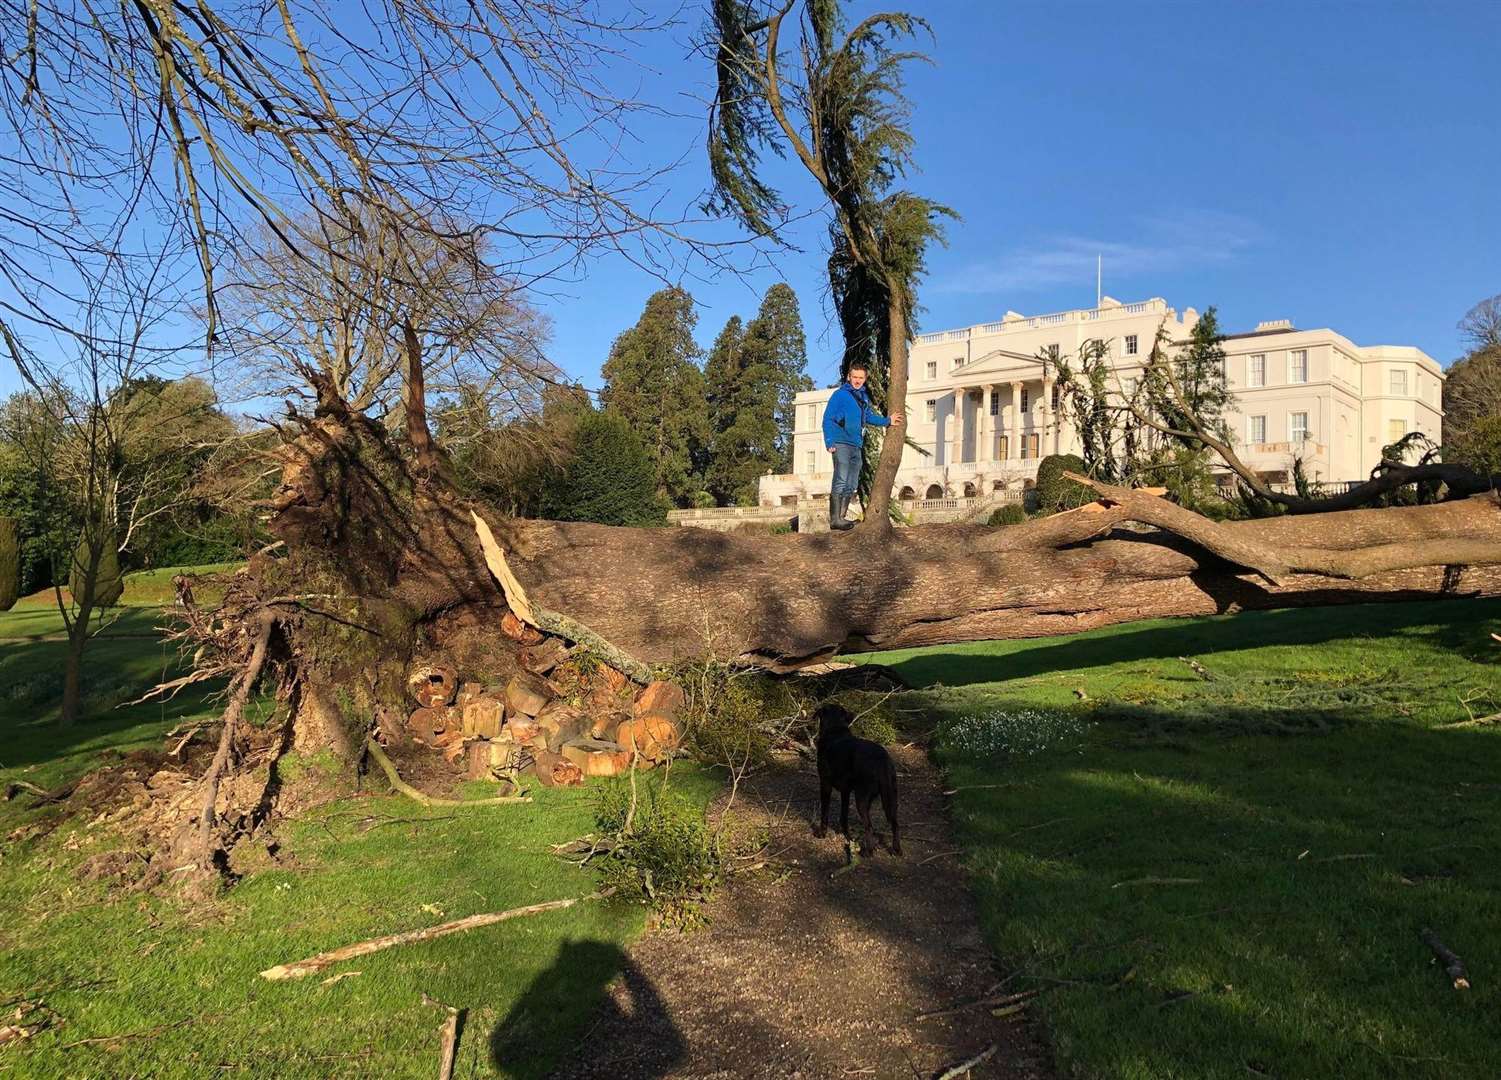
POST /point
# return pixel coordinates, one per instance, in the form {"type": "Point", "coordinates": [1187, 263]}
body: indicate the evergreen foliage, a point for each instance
{"type": "Point", "coordinates": [1054, 492]}
{"type": "Point", "coordinates": [10, 564]}
{"type": "Point", "coordinates": [1010, 514]}
{"type": "Point", "coordinates": [610, 478]}
{"type": "Point", "coordinates": [751, 378]}
{"type": "Point", "coordinates": [109, 582]}
{"type": "Point", "coordinates": [653, 382]}
{"type": "Point", "coordinates": [1198, 374]}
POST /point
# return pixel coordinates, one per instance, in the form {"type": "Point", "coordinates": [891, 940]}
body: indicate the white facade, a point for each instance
{"type": "Point", "coordinates": [981, 405]}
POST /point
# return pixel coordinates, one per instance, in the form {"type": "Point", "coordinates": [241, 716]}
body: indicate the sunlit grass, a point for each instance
{"type": "Point", "coordinates": [1229, 879]}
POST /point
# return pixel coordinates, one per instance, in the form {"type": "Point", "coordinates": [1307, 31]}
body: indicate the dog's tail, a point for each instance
{"type": "Point", "coordinates": [888, 804]}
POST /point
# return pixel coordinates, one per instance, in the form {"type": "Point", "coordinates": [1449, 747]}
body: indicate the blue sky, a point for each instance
{"type": "Point", "coordinates": [1331, 163]}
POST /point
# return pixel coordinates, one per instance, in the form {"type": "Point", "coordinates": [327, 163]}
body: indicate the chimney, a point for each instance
{"type": "Point", "coordinates": [1272, 326]}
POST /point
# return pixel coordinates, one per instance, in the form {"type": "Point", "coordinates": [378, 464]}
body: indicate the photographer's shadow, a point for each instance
{"type": "Point", "coordinates": [630, 1029]}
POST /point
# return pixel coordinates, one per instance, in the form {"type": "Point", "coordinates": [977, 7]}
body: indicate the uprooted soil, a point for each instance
{"type": "Point", "coordinates": [805, 972]}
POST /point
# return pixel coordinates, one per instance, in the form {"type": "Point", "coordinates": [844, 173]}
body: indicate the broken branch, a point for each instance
{"type": "Point", "coordinates": [1453, 966]}
{"type": "Point", "coordinates": [315, 964]}
{"type": "Point", "coordinates": [421, 796]}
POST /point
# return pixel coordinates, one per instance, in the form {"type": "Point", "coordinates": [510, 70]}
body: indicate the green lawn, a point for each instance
{"type": "Point", "coordinates": [1227, 878]}
{"type": "Point", "coordinates": [165, 992]}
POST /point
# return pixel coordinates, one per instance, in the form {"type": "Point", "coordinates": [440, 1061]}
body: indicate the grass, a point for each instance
{"type": "Point", "coordinates": [1227, 878]}
{"type": "Point", "coordinates": [139, 986]}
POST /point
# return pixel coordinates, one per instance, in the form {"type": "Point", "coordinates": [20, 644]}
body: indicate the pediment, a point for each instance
{"type": "Point", "coordinates": [1001, 364]}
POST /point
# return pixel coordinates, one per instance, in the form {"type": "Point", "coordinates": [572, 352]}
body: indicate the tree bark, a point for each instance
{"type": "Point", "coordinates": [668, 594]}
{"type": "Point", "coordinates": [877, 522]}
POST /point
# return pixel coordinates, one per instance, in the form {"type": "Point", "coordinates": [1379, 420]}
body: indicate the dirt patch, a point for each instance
{"type": "Point", "coordinates": [806, 973]}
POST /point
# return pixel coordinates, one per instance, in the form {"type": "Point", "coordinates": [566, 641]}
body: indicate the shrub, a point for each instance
{"type": "Point", "coordinates": [10, 564]}
{"type": "Point", "coordinates": [1010, 514]}
{"type": "Point", "coordinates": [609, 480]}
{"type": "Point", "coordinates": [1056, 493]}
{"type": "Point", "coordinates": [702, 500]}
{"type": "Point", "coordinates": [730, 717]}
{"type": "Point", "coordinates": [665, 855]}
{"type": "Point", "coordinates": [109, 583]}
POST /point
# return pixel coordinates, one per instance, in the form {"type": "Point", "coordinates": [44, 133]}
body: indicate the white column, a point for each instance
{"type": "Point", "coordinates": [956, 436]}
{"type": "Point", "coordinates": [1014, 424]}
{"type": "Point", "coordinates": [985, 446]}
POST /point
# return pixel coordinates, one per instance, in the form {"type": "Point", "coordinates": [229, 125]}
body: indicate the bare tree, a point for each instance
{"type": "Point", "coordinates": [1481, 325]}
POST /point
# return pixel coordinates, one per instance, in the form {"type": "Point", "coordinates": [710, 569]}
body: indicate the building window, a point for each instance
{"type": "Point", "coordinates": [1399, 382]}
{"type": "Point", "coordinates": [930, 409]}
{"type": "Point", "coordinates": [812, 416]}
{"type": "Point", "coordinates": [1034, 444]}
{"type": "Point", "coordinates": [1395, 430]}
{"type": "Point", "coordinates": [1055, 397]}
{"type": "Point", "coordinates": [1297, 427]}
{"type": "Point", "coordinates": [1256, 429]}
{"type": "Point", "coordinates": [812, 461]}
{"type": "Point", "coordinates": [1130, 344]}
{"type": "Point", "coordinates": [1005, 447]}
{"type": "Point", "coordinates": [1026, 399]}
{"type": "Point", "coordinates": [1297, 365]}
{"type": "Point", "coordinates": [958, 361]}
{"type": "Point", "coordinates": [932, 369]}
{"type": "Point", "coordinates": [1256, 370]}
{"type": "Point", "coordinates": [995, 404]}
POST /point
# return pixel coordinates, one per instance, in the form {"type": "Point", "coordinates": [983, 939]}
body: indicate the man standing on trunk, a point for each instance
{"type": "Point", "coordinates": [844, 420]}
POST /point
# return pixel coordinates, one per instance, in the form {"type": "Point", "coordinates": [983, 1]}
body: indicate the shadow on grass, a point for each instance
{"type": "Point", "coordinates": [1453, 624]}
{"type": "Point", "coordinates": [1247, 906]}
{"type": "Point", "coordinates": [583, 971]}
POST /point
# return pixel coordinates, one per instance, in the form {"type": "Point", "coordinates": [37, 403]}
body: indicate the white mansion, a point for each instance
{"type": "Point", "coordinates": [980, 403]}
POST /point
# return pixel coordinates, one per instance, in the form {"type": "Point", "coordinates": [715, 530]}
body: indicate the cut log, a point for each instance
{"type": "Point", "coordinates": [595, 757]}
{"type": "Point", "coordinates": [426, 724]}
{"type": "Point", "coordinates": [560, 722]}
{"type": "Point", "coordinates": [654, 736]}
{"type": "Point", "coordinates": [433, 685]}
{"type": "Point", "coordinates": [554, 770]}
{"type": "Point", "coordinates": [527, 693]}
{"type": "Point", "coordinates": [541, 658]}
{"type": "Point", "coordinates": [525, 729]}
{"type": "Point", "coordinates": [483, 716]}
{"type": "Point", "coordinates": [486, 757]}
{"type": "Point", "coordinates": [661, 698]}
{"type": "Point", "coordinates": [517, 630]}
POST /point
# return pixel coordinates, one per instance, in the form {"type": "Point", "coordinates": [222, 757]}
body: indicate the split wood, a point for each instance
{"type": "Point", "coordinates": [315, 964]}
{"type": "Point", "coordinates": [963, 1068]}
{"type": "Point", "coordinates": [1453, 966]}
{"type": "Point", "coordinates": [431, 800]}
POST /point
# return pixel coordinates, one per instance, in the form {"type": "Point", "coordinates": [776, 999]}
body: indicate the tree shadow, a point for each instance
{"type": "Point", "coordinates": [1450, 625]}
{"type": "Point", "coordinates": [581, 974]}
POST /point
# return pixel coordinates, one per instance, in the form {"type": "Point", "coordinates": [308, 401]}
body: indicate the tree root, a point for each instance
{"type": "Point", "coordinates": [431, 800]}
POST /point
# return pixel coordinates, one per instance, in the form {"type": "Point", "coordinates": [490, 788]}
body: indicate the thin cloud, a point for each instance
{"type": "Point", "coordinates": [1162, 244]}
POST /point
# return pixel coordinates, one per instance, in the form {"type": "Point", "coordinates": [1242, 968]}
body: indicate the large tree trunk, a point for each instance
{"type": "Point", "coordinates": [667, 594]}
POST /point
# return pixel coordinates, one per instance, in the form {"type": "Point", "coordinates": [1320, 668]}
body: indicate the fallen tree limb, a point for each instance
{"type": "Point", "coordinates": [315, 964]}
{"type": "Point", "coordinates": [57, 794]}
{"type": "Point", "coordinates": [421, 796]}
{"type": "Point", "coordinates": [450, 1046]}
{"type": "Point", "coordinates": [1453, 966]}
{"type": "Point", "coordinates": [964, 1067]}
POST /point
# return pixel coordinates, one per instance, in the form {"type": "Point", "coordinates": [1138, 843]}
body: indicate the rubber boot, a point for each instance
{"type": "Point", "coordinates": [838, 504]}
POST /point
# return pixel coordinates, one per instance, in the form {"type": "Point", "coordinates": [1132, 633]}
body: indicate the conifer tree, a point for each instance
{"type": "Point", "coordinates": [653, 382]}
{"type": "Point", "coordinates": [609, 479]}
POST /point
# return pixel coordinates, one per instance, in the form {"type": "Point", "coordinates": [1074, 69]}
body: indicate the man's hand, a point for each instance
{"type": "Point", "coordinates": [831, 449]}
{"type": "Point", "coordinates": [899, 417]}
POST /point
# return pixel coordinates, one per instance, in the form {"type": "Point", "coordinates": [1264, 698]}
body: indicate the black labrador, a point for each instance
{"type": "Point", "coordinates": [856, 767]}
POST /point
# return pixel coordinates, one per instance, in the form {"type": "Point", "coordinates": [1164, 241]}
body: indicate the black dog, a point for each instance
{"type": "Point", "coordinates": [856, 767]}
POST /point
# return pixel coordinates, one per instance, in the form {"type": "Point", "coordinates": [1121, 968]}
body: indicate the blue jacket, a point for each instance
{"type": "Point", "coordinates": [846, 415]}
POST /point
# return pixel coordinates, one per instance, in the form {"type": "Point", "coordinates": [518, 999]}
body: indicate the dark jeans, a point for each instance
{"type": "Point", "coordinates": [846, 470]}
